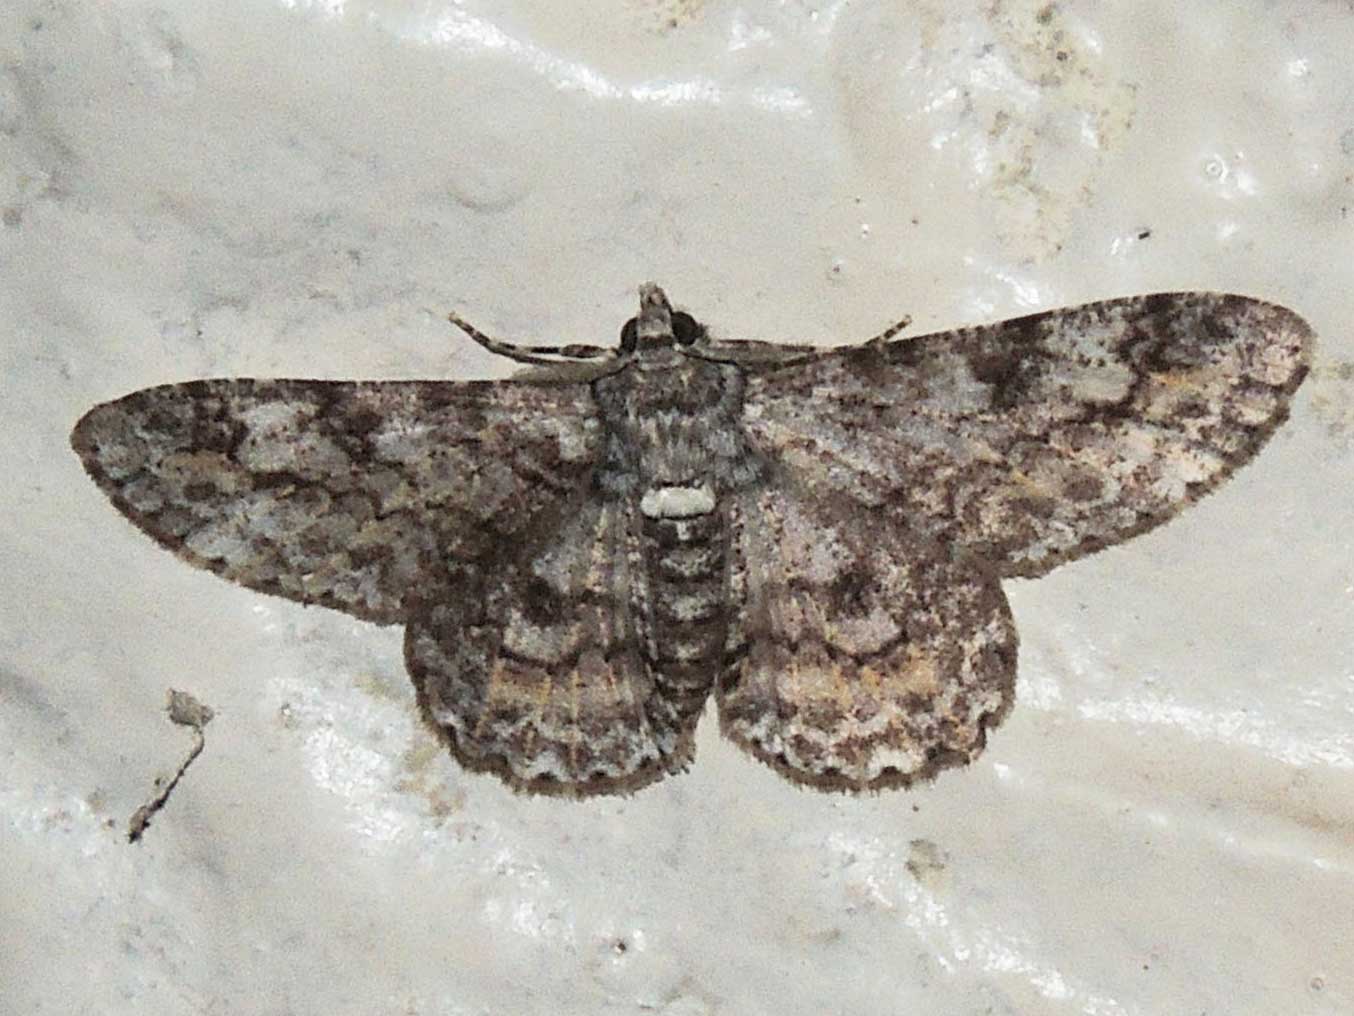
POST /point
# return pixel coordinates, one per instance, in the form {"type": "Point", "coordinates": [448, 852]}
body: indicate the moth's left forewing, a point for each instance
{"type": "Point", "coordinates": [1036, 440]}
{"type": "Point", "coordinates": [343, 494]}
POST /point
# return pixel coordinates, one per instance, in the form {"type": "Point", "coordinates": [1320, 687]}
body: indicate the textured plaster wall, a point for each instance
{"type": "Point", "coordinates": [1165, 824]}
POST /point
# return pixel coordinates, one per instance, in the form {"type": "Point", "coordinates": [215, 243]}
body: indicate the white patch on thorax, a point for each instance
{"type": "Point", "coordinates": [677, 502]}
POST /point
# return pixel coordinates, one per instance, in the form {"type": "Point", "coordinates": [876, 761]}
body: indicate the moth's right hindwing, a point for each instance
{"type": "Point", "coordinates": [865, 656]}
{"type": "Point", "coordinates": [343, 494]}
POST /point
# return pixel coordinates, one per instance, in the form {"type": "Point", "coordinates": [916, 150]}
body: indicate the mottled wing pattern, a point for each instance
{"type": "Point", "coordinates": [1039, 439]}
{"type": "Point", "coordinates": [535, 668]}
{"type": "Point", "coordinates": [343, 494]}
{"type": "Point", "coordinates": [818, 534]}
{"type": "Point", "coordinates": [864, 656]}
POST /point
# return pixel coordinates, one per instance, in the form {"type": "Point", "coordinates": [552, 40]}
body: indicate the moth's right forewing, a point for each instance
{"type": "Point", "coordinates": [1038, 440]}
{"type": "Point", "coordinates": [343, 494]}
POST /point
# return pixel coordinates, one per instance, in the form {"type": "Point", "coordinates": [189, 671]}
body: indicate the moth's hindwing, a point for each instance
{"type": "Point", "coordinates": [540, 669]}
{"type": "Point", "coordinates": [866, 656]}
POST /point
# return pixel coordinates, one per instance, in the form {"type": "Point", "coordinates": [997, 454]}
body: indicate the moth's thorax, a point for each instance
{"type": "Point", "coordinates": [672, 419]}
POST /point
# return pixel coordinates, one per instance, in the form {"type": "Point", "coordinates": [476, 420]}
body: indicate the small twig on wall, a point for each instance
{"type": "Point", "coordinates": [186, 711]}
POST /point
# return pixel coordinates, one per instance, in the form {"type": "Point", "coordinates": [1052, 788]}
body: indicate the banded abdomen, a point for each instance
{"type": "Point", "coordinates": [685, 546]}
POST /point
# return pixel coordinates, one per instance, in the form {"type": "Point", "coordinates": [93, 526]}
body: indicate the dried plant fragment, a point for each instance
{"type": "Point", "coordinates": [186, 711]}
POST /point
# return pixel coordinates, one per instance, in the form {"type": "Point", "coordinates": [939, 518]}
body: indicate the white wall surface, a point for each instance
{"type": "Point", "coordinates": [1165, 823]}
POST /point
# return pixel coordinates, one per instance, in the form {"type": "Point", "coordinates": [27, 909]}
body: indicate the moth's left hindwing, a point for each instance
{"type": "Point", "coordinates": [538, 669]}
{"type": "Point", "coordinates": [343, 494]}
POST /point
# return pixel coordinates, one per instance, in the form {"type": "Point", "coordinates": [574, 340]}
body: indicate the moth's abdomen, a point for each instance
{"type": "Point", "coordinates": [685, 543]}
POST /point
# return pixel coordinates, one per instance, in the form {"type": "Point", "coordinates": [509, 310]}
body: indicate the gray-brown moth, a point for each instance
{"type": "Point", "coordinates": [582, 556]}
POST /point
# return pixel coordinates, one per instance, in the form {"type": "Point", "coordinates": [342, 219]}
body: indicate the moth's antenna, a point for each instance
{"type": "Point", "coordinates": [539, 355]}
{"type": "Point", "coordinates": [890, 331]}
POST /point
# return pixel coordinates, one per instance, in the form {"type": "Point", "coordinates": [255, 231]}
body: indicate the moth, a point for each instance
{"type": "Point", "coordinates": [583, 555]}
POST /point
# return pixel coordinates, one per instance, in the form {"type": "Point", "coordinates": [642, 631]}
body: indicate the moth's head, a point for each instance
{"type": "Point", "coordinates": [658, 326]}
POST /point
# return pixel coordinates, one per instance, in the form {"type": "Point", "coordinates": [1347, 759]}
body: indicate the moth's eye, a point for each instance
{"type": "Point", "coordinates": [685, 329]}
{"type": "Point", "coordinates": [630, 336]}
